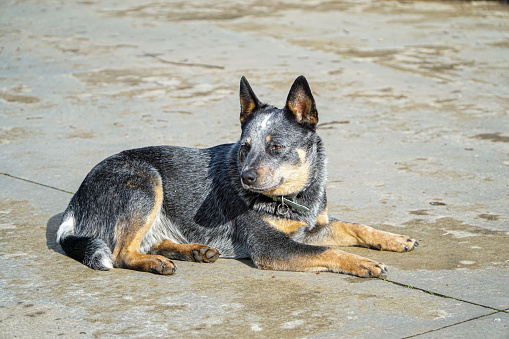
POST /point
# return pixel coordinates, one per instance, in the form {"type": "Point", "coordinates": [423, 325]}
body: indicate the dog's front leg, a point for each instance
{"type": "Point", "coordinates": [325, 260]}
{"type": "Point", "coordinates": [190, 252]}
{"type": "Point", "coordinates": [341, 233]}
{"type": "Point", "coordinates": [271, 249]}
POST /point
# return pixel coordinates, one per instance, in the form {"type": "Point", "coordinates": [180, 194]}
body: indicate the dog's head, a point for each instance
{"type": "Point", "coordinates": [277, 146]}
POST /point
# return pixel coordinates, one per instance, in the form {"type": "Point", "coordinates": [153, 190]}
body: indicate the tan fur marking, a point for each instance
{"type": "Point", "coordinates": [296, 178]}
{"type": "Point", "coordinates": [170, 245]}
{"type": "Point", "coordinates": [134, 246]}
{"type": "Point", "coordinates": [268, 138]}
{"type": "Point", "coordinates": [302, 154]}
{"type": "Point", "coordinates": [300, 107]}
{"type": "Point", "coordinates": [127, 252]}
{"type": "Point", "coordinates": [247, 107]}
{"type": "Point", "coordinates": [170, 249]}
{"type": "Point", "coordinates": [323, 218]}
{"type": "Point", "coordinates": [348, 234]}
{"type": "Point", "coordinates": [287, 226]}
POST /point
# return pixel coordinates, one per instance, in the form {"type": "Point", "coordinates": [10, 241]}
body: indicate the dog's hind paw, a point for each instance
{"type": "Point", "coordinates": [205, 254]}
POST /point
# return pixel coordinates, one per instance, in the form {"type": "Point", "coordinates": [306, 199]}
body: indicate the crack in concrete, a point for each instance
{"type": "Point", "coordinates": [35, 183]}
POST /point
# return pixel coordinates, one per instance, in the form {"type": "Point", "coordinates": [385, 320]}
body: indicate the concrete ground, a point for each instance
{"type": "Point", "coordinates": [413, 99]}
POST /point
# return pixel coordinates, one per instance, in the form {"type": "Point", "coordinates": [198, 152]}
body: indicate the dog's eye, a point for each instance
{"type": "Point", "coordinates": [245, 148]}
{"type": "Point", "coordinates": [276, 149]}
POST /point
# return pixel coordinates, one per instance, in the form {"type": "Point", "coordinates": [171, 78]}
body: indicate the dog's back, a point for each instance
{"type": "Point", "coordinates": [200, 198]}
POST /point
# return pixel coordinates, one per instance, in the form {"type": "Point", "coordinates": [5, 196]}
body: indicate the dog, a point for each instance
{"type": "Point", "coordinates": [262, 198]}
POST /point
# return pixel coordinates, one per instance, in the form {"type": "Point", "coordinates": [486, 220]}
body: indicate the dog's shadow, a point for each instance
{"type": "Point", "coordinates": [51, 233]}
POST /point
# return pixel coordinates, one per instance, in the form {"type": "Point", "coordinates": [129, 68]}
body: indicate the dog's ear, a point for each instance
{"type": "Point", "coordinates": [301, 103]}
{"type": "Point", "coordinates": [248, 100]}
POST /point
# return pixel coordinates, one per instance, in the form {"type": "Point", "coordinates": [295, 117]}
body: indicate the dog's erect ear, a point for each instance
{"type": "Point", "coordinates": [300, 102]}
{"type": "Point", "coordinates": [248, 100]}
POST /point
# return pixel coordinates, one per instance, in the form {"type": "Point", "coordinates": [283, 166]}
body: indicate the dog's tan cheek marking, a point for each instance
{"type": "Point", "coordinates": [296, 177]}
{"type": "Point", "coordinates": [284, 225]}
{"type": "Point", "coordinates": [302, 155]}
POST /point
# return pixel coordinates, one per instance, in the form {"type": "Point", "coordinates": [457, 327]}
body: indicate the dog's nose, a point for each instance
{"type": "Point", "coordinates": [248, 177]}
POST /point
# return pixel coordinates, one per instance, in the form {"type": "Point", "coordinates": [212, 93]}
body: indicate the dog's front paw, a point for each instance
{"type": "Point", "coordinates": [205, 254]}
{"type": "Point", "coordinates": [367, 268]}
{"type": "Point", "coordinates": [160, 265]}
{"type": "Point", "coordinates": [397, 243]}
{"type": "Point", "coordinates": [343, 262]}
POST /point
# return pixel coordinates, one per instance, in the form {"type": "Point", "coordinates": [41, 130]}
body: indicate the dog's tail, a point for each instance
{"type": "Point", "coordinates": [90, 251]}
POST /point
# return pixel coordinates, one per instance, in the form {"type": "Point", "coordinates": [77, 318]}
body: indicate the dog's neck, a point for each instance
{"type": "Point", "coordinates": [286, 200]}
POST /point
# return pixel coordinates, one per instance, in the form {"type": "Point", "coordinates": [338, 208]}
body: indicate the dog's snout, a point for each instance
{"type": "Point", "coordinates": [249, 176]}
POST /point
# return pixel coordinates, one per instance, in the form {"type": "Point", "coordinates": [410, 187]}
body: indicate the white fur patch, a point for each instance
{"type": "Point", "coordinates": [265, 123]}
{"type": "Point", "coordinates": [106, 261]}
{"type": "Point", "coordinates": [66, 228]}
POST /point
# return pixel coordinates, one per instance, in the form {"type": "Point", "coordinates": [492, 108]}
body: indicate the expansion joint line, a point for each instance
{"type": "Point", "coordinates": [451, 325]}
{"type": "Point", "coordinates": [495, 310]}
{"type": "Point", "coordinates": [430, 292]}
{"type": "Point", "coordinates": [35, 183]}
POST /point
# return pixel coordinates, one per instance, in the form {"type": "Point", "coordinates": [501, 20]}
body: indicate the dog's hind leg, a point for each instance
{"type": "Point", "coordinates": [131, 229]}
{"type": "Point", "coordinates": [330, 231]}
{"type": "Point", "coordinates": [189, 252]}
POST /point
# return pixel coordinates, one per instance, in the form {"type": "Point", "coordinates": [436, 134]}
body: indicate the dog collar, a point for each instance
{"type": "Point", "coordinates": [286, 200]}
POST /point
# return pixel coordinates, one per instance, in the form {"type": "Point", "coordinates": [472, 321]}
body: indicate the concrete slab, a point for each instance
{"type": "Point", "coordinates": [413, 101]}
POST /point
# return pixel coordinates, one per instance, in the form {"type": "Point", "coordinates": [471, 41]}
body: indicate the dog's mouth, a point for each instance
{"type": "Point", "coordinates": [264, 189]}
